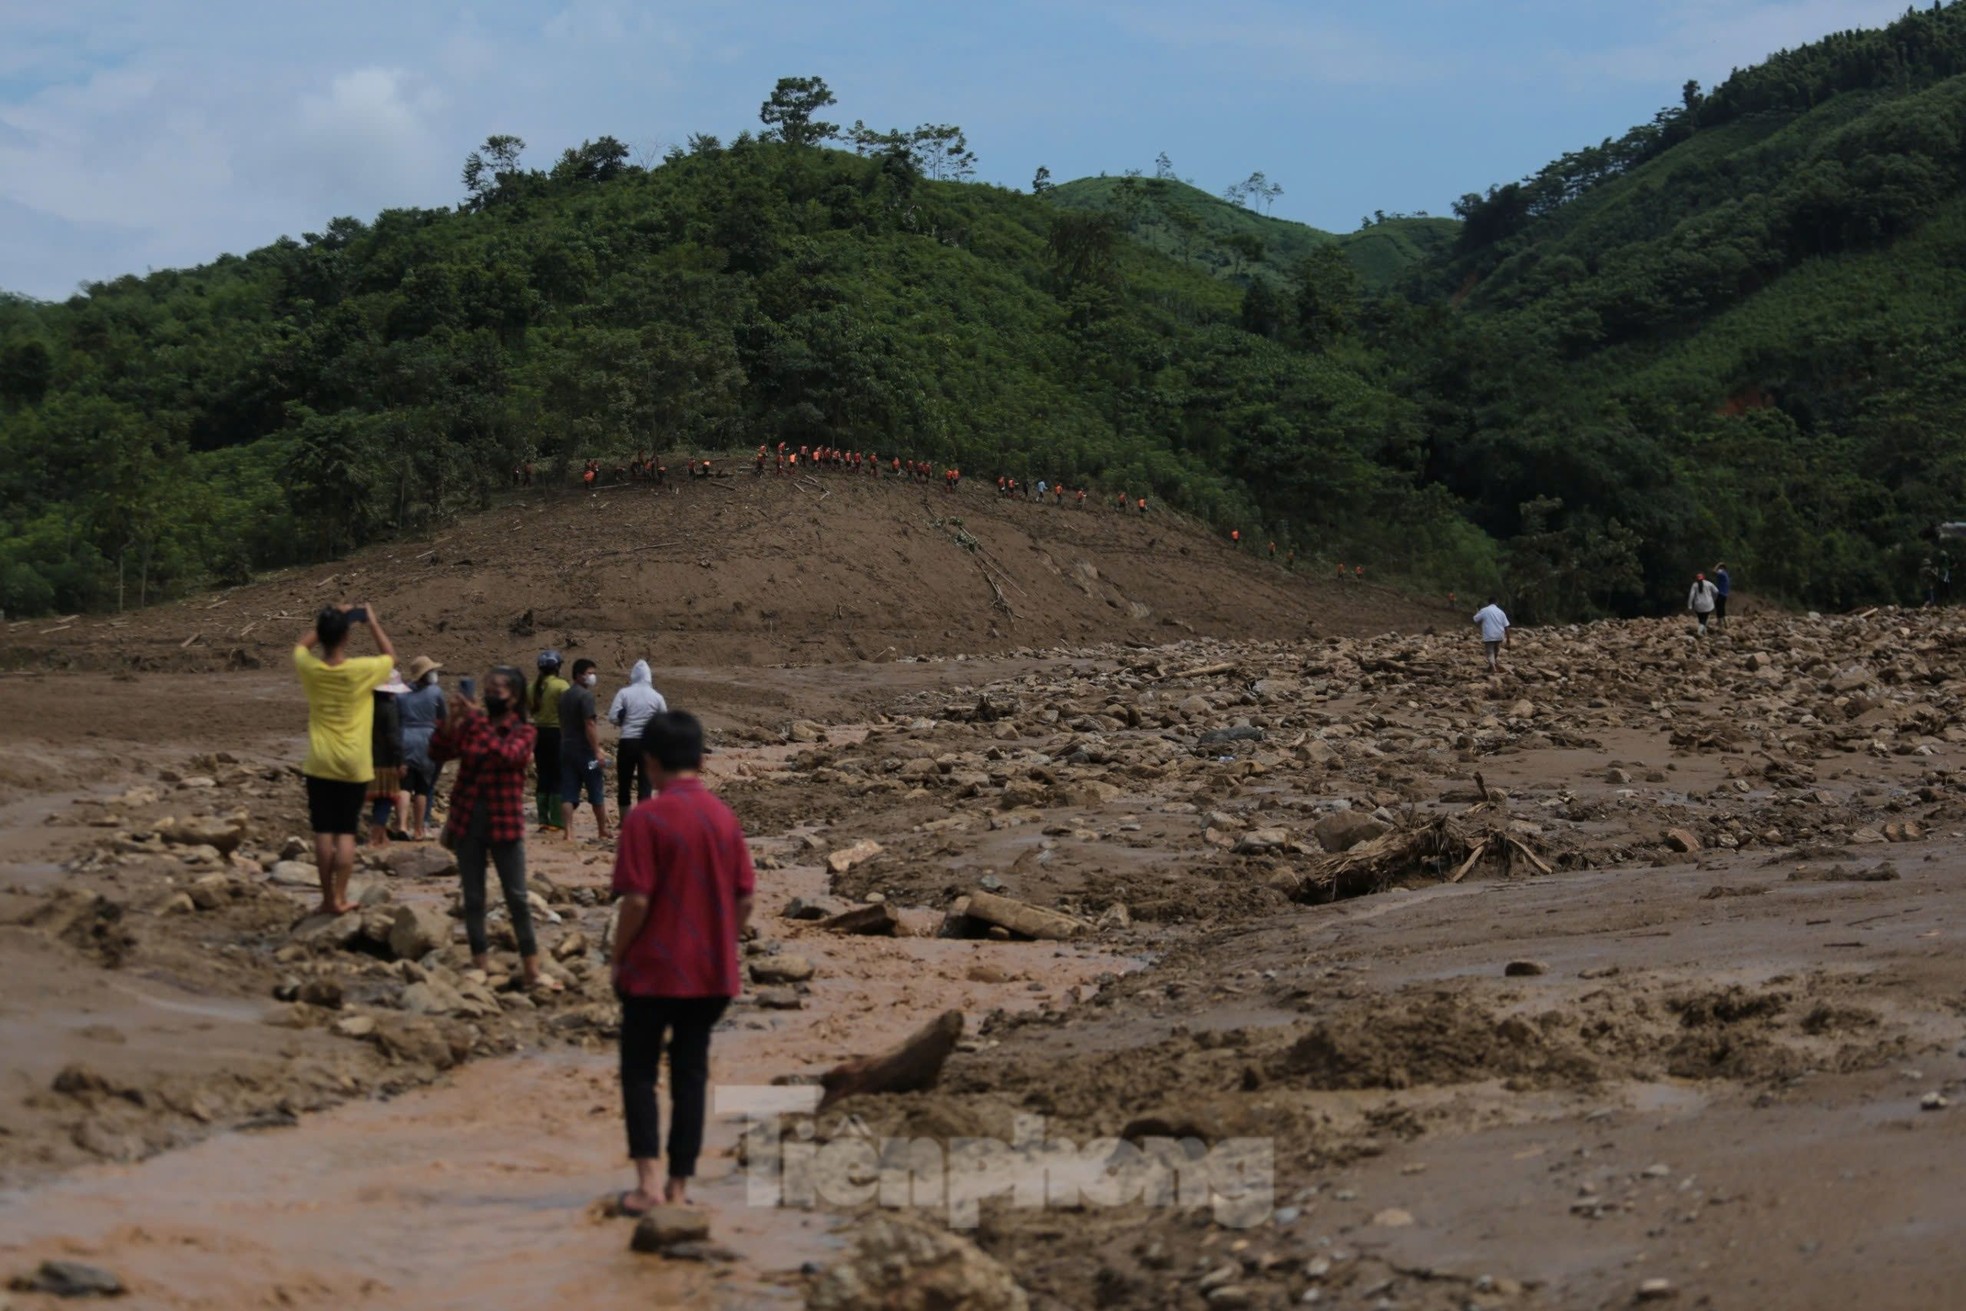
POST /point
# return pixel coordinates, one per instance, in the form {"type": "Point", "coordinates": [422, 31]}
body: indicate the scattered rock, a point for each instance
{"type": "Point", "coordinates": [69, 1279]}
{"type": "Point", "coordinates": [781, 969]}
{"type": "Point", "coordinates": [1656, 1290]}
{"type": "Point", "coordinates": [1392, 1218]}
{"type": "Point", "coordinates": [419, 861]}
{"type": "Point", "coordinates": [1682, 840]}
{"type": "Point", "coordinates": [325, 993]}
{"type": "Point", "coordinates": [900, 1262]}
{"type": "Point", "coordinates": [875, 919]}
{"type": "Point", "coordinates": [416, 931]}
{"type": "Point", "coordinates": [858, 854]}
{"type": "Point", "coordinates": [664, 1227]}
{"type": "Point", "coordinates": [323, 932]}
{"type": "Point", "coordinates": [1344, 829]}
{"type": "Point", "coordinates": [355, 1026]}
{"type": "Point", "coordinates": [1522, 969]}
{"type": "Point", "coordinates": [222, 835]}
{"type": "Point", "coordinates": [779, 999]}
{"type": "Point", "coordinates": [1933, 1101]}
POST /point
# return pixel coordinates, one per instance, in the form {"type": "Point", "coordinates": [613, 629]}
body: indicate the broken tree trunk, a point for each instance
{"type": "Point", "coordinates": [912, 1067]}
{"type": "Point", "coordinates": [1022, 917]}
{"type": "Point", "coordinates": [879, 918]}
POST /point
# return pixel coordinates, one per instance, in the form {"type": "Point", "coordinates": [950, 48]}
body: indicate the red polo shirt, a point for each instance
{"type": "Point", "coordinates": [684, 850]}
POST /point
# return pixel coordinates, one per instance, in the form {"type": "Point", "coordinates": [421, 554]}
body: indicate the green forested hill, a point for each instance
{"type": "Point", "coordinates": [1234, 241]}
{"type": "Point", "coordinates": [1738, 331]}
{"type": "Point", "coordinates": [192, 425]}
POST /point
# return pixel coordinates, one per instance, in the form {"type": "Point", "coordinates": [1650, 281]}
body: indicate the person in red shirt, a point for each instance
{"type": "Point", "coordinates": [492, 745]}
{"type": "Point", "coordinates": [683, 873]}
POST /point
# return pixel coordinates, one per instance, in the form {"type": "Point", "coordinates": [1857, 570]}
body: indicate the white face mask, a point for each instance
{"type": "Point", "coordinates": [590, 679]}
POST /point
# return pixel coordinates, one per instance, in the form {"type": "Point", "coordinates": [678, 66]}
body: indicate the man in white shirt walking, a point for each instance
{"type": "Point", "coordinates": [1494, 633]}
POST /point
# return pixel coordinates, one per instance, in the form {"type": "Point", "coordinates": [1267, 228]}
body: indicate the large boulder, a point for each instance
{"type": "Point", "coordinates": [1342, 830]}
{"type": "Point", "coordinates": [417, 931]}
{"type": "Point", "coordinates": [900, 1262]}
{"type": "Point", "coordinates": [222, 835]}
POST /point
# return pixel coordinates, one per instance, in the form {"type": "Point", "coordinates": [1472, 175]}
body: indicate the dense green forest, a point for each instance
{"type": "Point", "coordinates": [1230, 238]}
{"type": "Point", "coordinates": [1734, 331]}
{"type": "Point", "coordinates": [373, 378]}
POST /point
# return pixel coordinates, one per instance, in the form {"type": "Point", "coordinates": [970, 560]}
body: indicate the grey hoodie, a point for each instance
{"type": "Point", "coordinates": [637, 703]}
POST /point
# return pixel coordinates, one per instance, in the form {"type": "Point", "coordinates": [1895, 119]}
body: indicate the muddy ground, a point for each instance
{"type": "Point", "coordinates": [1633, 974]}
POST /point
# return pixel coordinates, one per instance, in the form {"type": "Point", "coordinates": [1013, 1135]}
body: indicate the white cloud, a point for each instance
{"type": "Point", "coordinates": [367, 140]}
{"type": "Point", "coordinates": [1708, 39]}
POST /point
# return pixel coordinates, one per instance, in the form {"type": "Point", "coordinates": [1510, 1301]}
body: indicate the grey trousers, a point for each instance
{"type": "Point", "coordinates": [510, 860]}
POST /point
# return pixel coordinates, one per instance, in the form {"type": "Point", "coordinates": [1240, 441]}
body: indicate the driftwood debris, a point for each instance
{"type": "Point", "coordinates": [1447, 847]}
{"type": "Point", "coordinates": [1021, 917]}
{"type": "Point", "coordinates": [914, 1066]}
{"type": "Point", "coordinates": [875, 920]}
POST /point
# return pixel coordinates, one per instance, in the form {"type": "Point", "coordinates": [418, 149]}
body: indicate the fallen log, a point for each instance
{"type": "Point", "coordinates": [1022, 917]}
{"type": "Point", "coordinates": [914, 1066]}
{"type": "Point", "coordinates": [876, 919]}
{"type": "Point", "coordinates": [1205, 671]}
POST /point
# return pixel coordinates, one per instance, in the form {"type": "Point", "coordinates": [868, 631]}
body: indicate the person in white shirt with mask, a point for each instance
{"type": "Point", "coordinates": [634, 705]}
{"type": "Point", "coordinates": [1494, 633]}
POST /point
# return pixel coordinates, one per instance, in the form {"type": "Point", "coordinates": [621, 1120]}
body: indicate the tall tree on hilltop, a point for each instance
{"type": "Point", "coordinates": [488, 168]}
{"type": "Point", "coordinates": [788, 112]}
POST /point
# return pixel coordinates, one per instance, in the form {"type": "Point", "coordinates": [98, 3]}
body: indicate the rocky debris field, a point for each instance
{"type": "Point", "coordinates": [1521, 990]}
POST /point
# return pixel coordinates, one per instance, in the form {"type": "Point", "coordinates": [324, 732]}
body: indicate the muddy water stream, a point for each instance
{"type": "Point", "coordinates": [480, 1191]}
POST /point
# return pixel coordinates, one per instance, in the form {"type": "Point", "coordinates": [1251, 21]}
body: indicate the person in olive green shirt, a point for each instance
{"type": "Point", "coordinates": [340, 718]}
{"type": "Point", "coordinates": [546, 690]}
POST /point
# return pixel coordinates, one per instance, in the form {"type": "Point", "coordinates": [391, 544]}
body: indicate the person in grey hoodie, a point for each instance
{"type": "Point", "coordinates": [634, 705]}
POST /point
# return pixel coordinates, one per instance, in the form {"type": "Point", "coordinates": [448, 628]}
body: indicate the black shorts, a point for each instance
{"type": "Point", "coordinates": [335, 805]}
{"type": "Point", "coordinates": [421, 780]}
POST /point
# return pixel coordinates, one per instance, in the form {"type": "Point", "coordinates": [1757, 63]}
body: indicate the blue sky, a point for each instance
{"type": "Point", "coordinates": [138, 134]}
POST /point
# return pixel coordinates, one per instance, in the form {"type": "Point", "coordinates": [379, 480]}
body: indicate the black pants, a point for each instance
{"type": "Point", "coordinates": [687, 1021]}
{"type": "Point", "coordinates": [631, 772]}
{"type": "Point", "coordinates": [510, 860]}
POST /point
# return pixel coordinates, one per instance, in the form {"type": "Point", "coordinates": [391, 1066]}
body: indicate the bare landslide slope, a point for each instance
{"type": "Point", "coordinates": [742, 570]}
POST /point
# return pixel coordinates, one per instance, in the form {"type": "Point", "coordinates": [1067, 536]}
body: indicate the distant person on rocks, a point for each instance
{"type": "Point", "coordinates": [422, 710]}
{"type": "Point", "coordinates": [1701, 601]}
{"type": "Point", "coordinates": [1723, 583]}
{"type": "Point", "coordinates": [386, 799]}
{"type": "Point", "coordinates": [491, 743]}
{"type": "Point", "coordinates": [633, 707]}
{"type": "Point", "coordinates": [546, 691]}
{"type": "Point", "coordinates": [582, 766]}
{"type": "Point", "coordinates": [340, 724]}
{"type": "Point", "coordinates": [1494, 633]}
{"type": "Point", "coordinates": [684, 876]}
{"type": "Point", "coordinates": [1143, 505]}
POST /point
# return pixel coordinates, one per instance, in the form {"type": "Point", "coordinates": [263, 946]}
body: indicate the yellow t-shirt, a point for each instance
{"type": "Point", "coordinates": [550, 688]}
{"type": "Point", "coordinates": [340, 714]}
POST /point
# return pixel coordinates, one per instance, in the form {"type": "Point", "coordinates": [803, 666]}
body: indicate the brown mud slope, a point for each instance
{"type": "Point", "coordinates": [749, 571]}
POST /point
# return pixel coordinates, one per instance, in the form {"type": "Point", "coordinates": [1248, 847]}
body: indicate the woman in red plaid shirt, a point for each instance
{"type": "Point", "coordinates": [492, 745]}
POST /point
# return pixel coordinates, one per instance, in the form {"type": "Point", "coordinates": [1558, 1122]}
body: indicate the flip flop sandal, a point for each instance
{"type": "Point", "coordinates": [632, 1212]}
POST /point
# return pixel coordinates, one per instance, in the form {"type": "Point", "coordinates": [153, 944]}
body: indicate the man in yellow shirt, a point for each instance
{"type": "Point", "coordinates": [340, 717]}
{"type": "Point", "coordinates": [546, 690]}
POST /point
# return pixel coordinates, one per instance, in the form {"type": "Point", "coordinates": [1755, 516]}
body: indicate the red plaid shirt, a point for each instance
{"type": "Point", "coordinates": [491, 764]}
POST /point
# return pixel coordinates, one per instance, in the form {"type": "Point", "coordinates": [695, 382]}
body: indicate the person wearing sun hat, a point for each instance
{"type": "Point", "coordinates": [386, 750]}
{"type": "Point", "coordinates": [421, 710]}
